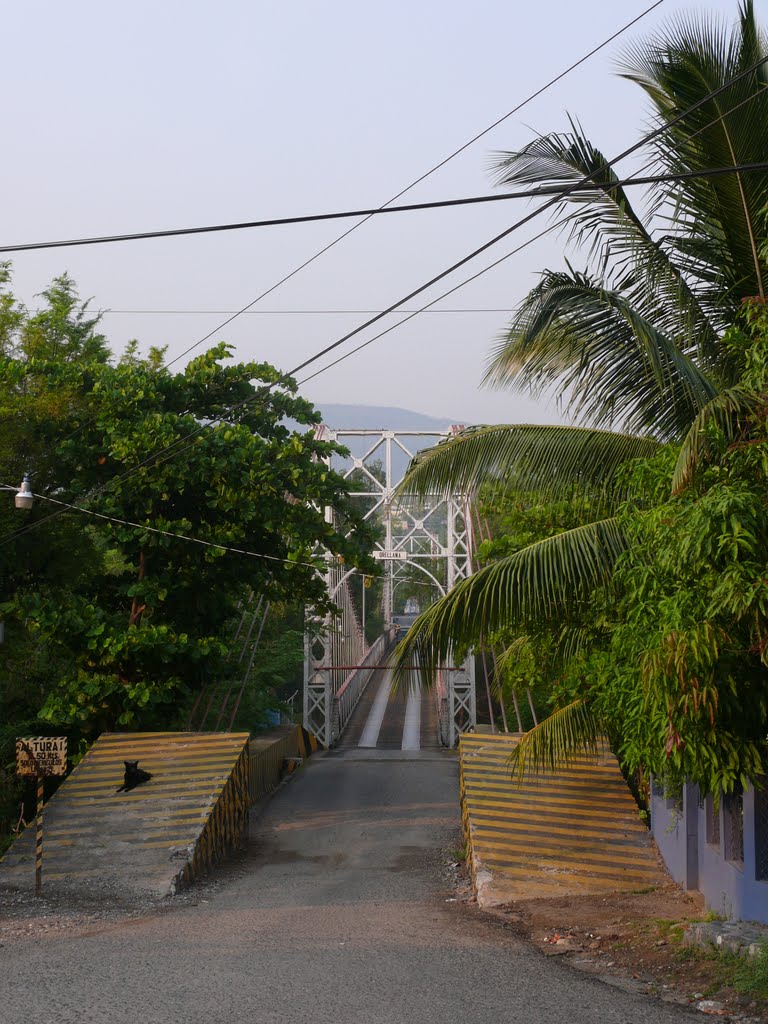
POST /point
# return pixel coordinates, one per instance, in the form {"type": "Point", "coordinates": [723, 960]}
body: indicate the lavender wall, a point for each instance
{"type": "Point", "coordinates": [729, 888]}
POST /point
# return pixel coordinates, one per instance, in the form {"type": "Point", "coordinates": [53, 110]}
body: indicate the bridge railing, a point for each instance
{"type": "Point", "coordinates": [345, 700]}
{"type": "Point", "coordinates": [443, 710]}
{"type": "Point", "coordinates": [267, 755]}
{"type": "Point", "coordinates": [456, 708]}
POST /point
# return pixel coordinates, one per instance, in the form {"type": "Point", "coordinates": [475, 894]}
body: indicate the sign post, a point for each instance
{"type": "Point", "coordinates": [41, 756]}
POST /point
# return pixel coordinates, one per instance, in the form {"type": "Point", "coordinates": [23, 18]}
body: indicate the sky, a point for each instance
{"type": "Point", "coordinates": [153, 115]}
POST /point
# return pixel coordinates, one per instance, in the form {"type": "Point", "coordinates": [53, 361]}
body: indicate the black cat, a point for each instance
{"type": "Point", "coordinates": [134, 776]}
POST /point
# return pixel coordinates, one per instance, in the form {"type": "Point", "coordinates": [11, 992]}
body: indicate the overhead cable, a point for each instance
{"type": "Point", "coordinates": [417, 181]}
{"type": "Point", "coordinates": [266, 389]}
{"type": "Point", "coordinates": [438, 204]}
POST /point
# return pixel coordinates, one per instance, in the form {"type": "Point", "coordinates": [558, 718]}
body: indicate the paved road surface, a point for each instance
{"type": "Point", "coordinates": [339, 916]}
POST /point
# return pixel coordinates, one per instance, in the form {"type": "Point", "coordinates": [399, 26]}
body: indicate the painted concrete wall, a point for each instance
{"type": "Point", "coordinates": [729, 887]}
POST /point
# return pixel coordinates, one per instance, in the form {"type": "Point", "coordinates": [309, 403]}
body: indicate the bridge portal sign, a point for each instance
{"type": "Point", "coordinates": [41, 756]}
{"type": "Point", "coordinates": [395, 556]}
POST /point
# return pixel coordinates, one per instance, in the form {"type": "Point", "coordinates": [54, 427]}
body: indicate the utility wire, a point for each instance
{"type": "Point", "coordinates": [376, 211]}
{"type": "Point", "coordinates": [552, 227]}
{"type": "Point", "coordinates": [417, 181]}
{"type": "Point", "coordinates": [563, 194]}
{"type": "Point", "coordinates": [191, 540]}
{"type": "Point", "coordinates": [285, 312]}
{"type": "Point", "coordinates": [649, 137]}
{"type": "Point", "coordinates": [165, 533]}
{"type": "Point", "coordinates": [424, 309]}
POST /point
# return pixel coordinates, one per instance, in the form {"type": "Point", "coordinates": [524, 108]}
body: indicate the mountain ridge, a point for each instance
{"type": "Point", "coordinates": [379, 417]}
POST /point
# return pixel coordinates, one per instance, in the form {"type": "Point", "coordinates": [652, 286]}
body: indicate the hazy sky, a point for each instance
{"type": "Point", "coordinates": [132, 117]}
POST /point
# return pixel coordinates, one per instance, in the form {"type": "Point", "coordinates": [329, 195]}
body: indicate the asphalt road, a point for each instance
{"type": "Point", "coordinates": [338, 913]}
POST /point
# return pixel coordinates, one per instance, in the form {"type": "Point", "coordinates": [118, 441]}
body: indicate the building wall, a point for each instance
{"type": "Point", "coordinates": [702, 850]}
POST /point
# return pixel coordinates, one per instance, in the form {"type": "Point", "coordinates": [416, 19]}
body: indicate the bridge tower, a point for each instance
{"type": "Point", "coordinates": [426, 539]}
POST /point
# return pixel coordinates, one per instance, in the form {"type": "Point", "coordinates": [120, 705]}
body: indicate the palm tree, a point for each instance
{"type": "Point", "coordinates": [633, 340]}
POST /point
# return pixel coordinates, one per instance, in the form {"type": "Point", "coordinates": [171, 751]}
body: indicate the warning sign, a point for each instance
{"type": "Point", "coordinates": [41, 755]}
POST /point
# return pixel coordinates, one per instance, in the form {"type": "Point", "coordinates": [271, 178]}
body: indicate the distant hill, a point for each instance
{"type": "Point", "coordinates": [373, 417]}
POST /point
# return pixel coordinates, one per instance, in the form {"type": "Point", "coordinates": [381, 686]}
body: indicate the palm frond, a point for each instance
{"type": "Point", "coordinates": [540, 583]}
{"type": "Point", "coordinates": [604, 224]}
{"type": "Point", "coordinates": [551, 460]}
{"type": "Point", "coordinates": [613, 362]}
{"type": "Point", "coordinates": [715, 223]}
{"type": "Point", "coordinates": [563, 645]}
{"type": "Point", "coordinates": [572, 641]}
{"type": "Point", "coordinates": [726, 415]}
{"type": "Point", "coordinates": [553, 743]}
{"type": "Point", "coordinates": [505, 662]}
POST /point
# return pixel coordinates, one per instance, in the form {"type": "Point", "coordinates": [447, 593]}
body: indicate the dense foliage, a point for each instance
{"type": "Point", "coordinates": [119, 611]}
{"type": "Point", "coordinates": [684, 679]}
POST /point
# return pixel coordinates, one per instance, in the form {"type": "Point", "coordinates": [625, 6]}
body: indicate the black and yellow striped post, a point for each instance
{"type": "Point", "coordinates": [40, 756]}
{"type": "Point", "coordinates": [39, 837]}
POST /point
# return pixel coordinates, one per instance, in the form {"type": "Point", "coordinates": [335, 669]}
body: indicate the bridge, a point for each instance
{"type": "Point", "coordinates": [425, 545]}
{"type": "Point", "coordinates": [576, 833]}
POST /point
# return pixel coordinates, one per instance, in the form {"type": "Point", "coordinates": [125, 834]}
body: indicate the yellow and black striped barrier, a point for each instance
{"type": "Point", "coordinates": [155, 837]}
{"type": "Point", "coordinates": [275, 755]}
{"type": "Point", "coordinates": [164, 833]}
{"type": "Point", "coordinates": [573, 832]}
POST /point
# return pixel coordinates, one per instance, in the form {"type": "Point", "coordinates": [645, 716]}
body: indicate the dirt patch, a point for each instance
{"type": "Point", "coordinates": [636, 940]}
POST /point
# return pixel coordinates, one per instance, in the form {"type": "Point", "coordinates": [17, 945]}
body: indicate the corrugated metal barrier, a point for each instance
{"type": "Point", "coordinates": [163, 834]}
{"type": "Point", "coordinates": [154, 838]}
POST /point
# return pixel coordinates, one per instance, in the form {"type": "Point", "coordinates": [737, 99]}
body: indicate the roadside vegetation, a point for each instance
{"type": "Point", "coordinates": [626, 578]}
{"type": "Point", "coordinates": [122, 613]}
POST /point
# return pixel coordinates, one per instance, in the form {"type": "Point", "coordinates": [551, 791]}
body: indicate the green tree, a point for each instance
{"type": "Point", "coordinates": [130, 612]}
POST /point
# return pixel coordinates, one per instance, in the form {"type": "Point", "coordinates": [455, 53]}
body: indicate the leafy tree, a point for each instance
{"type": "Point", "coordinates": [128, 611]}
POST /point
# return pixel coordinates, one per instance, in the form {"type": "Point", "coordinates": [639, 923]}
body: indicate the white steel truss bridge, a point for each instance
{"type": "Point", "coordinates": [425, 547]}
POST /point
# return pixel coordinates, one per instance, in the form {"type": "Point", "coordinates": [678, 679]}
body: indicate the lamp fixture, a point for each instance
{"type": "Point", "coordinates": [24, 499]}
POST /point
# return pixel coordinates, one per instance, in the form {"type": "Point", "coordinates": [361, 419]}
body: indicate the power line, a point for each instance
{"type": "Point", "coordinates": [165, 533]}
{"type": "Point", "coordinates": [288, 312]}
{"type": "Point", "coordinates": [417, 181]}
{"type": "Point", "coordinates": [175, 451]}
{"type": "Point", "coordinates": [376, 211]}
{"type": "Point", "coordinates": [552, 227]}
{"type": "Point", "coordinates": [185, 537]}
{"type": "Point", "coordinates": [312, 218]}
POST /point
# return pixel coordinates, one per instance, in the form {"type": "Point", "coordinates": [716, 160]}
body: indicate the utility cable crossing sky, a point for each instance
{"type": "Point", "coordinates": [175, 451]}
{"type": "Point", "coordinates": [432, 170]}
{"type": "Point", "coordinates": [172, 450]}
{"type": "Point", "coordinates": [438, 204]}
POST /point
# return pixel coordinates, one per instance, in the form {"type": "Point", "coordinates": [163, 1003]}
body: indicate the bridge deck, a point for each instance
{"type": "Point", "coordinates": [392, 721]}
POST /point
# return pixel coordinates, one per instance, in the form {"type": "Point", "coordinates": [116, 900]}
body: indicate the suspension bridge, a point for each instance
{"type": "Point", "coordinates": [194, 809]}
{"type": "Point", "coordinates": [425, 545]}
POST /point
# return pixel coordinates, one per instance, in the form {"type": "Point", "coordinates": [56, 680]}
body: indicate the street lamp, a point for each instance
{"type": "Point", "coordinates": [24, 499]}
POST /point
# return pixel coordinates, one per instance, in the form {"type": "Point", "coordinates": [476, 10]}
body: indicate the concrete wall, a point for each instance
{"type": "Point", "coordinates": [729, 886]}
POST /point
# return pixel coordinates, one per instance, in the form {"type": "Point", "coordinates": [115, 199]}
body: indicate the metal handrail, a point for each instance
{"type": "Point", "coordinates": [351, 690]}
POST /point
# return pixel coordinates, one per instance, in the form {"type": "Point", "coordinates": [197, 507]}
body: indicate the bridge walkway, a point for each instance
{"type": "Point", "coordinates": [384, 720]}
